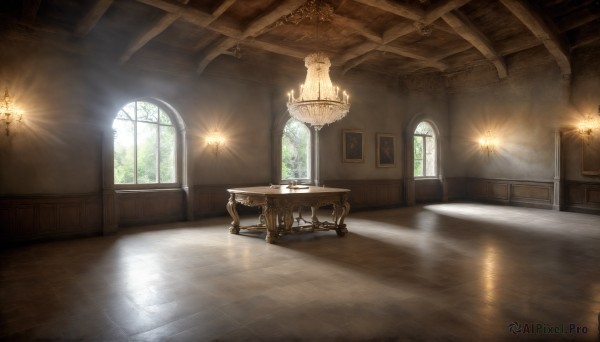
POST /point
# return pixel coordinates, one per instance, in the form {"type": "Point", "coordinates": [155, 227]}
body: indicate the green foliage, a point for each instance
{"type": "Point", "coordinates": [418, 156]}
{"type": "Point", "coordinates": [154, 145]}
{"type": "Point", "coordinates": [295, 150]}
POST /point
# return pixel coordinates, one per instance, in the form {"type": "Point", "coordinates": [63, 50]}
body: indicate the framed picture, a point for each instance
{"type": "Point", "coordinates": [386, 148]}
{"type": "Point", "coordinates": [352, 146]}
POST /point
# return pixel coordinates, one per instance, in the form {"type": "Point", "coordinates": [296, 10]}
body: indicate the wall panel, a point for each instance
{"type": "Point", "coordinates": [137, 207]}
{"type": "Point", "coordinates": [511, 192]}
{"type": "Point", "coordinates": [582, 197]}
{"type": "Point", "coordinates": [36, 217]}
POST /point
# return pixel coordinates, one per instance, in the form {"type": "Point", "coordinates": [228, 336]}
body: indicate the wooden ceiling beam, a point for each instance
{"type": "Point", "coordinates": [409, 53]}
{"type": "Point", "coordinates": [259, 25]}
{"type": "Point", "coordinates": [156, 29]}
{"type": "Point", "coordinates": [466, 29]}
{"type": "Point", "coordinates": [358, 26]}
{"type": "Point", "coordinates": [275, 48]}
{"type": "Point", "coordinates": [262, 22]}
{"type": "Point", "coordinates": [546, 34]}
{"type": "Point", "coordinates": [439, 9]}
{"type": "Point", "coordinates": [221, 7]}
{"type": "Point", "coordinates": [92, 17]}
{"type": "Point", "coordinates": [577, 19]}
{"type": "Point", "coordinates": [351, 64]}
{"type": "Point", "coordinates": [399, 9]}
{"type": "Point", "coordinates": [173, 13]}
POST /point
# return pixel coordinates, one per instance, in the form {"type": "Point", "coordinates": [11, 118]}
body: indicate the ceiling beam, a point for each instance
{"type": "Point", "coordinates": [156, 29]}
{"type": "Point", "coordinates": [439, 9]}
{"type": "Point", "coordinates": [466, 29]}
{"type": "Point", "coordinates": [400, 30]}
{"type": "Point", "coordinates": [351, 64]}
{"type": "Point", "coordinates": [358, 26]}
{"type": "Point", "coordinates": [275, 48]}
{"type": "Point", "coordinates": [399, 9]}
{"type": "Point", "coordinates": [410, 53]}
{"type": "Point", "coordinates": [577, 19]}
{"type": "Point", "coordinates": [546, 34]}
{"type": "Point", "coordinates": [163, 23]}
{"type": "Point", "coordinates": [92, 16]}
{"type": "Point", "coordinates": [259, 25]}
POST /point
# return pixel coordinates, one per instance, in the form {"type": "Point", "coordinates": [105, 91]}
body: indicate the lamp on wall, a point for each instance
{"type": "Point", "coordinates": [487, 143]}
{"type": "Point", "coordinates": [215, 140]}
{"type": "Point", "coordinates": [319, 102]}
{"type": "Point", "coordinates": [589, 124]}
{"type": "Point", "coordinates": [8, 113]}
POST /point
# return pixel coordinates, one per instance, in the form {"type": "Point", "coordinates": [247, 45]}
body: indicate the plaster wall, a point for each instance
{"type": "Point", "coordinates": [522, 111]}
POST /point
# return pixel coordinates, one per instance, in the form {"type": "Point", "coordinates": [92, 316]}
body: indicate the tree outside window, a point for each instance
{"type": "Point", "coordinates": [295, 151]}
{"type": "Point", "coordinates": [145, 144]}
{"type": "Point", "coordinates": [425, 151]}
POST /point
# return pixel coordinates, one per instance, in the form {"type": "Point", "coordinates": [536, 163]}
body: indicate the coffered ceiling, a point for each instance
{"type": "Point", "coordinates": [396, 37]}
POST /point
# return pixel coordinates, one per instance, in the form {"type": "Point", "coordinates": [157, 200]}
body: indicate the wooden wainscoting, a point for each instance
{"type": "Point", "coordinates": [457, 188]}
{"type": "Point", "coordinates": [428, 190]}
{"type": "Point", "coordinates": [512, 192]}
{"type": "Point", "coordinates": [39, 217]}
{"type": "Point", "coordinates": [582, 197]}
{"type": "Point", "coordinates": [371, 194]}
{"type": "Point", "coordinates": [138, 207]}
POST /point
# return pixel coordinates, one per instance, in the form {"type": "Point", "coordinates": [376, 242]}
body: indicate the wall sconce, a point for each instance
{"type": "Point", "coordinates": [215, 140]}
{"type": "Point", "coordinates": [487, 143]}
{"type": "Point", "coordinates": [589, 124]}
{"type": "Point", "coordinates": [8, 113]}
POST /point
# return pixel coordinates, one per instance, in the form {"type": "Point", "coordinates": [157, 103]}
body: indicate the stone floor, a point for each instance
{"type": "Point", "coordinates": [459, 271]}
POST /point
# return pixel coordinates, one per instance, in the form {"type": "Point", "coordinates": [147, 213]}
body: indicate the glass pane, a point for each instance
{"type": "Point", "coordinates": [124, 152]}
{"type": "Point", "coordinates": [167, 154]}
{"type": "Point", "coordinates": [146, 153]}
{"type": "Point", "coordinates": [164, 118]}
{"type": "Point", "coordinates": [418, 170]}
{"type": "Point", "coordinates": [418, 147]}
{"type": "Point", "coordinates": [129, 110]}
{"type": "Point", "coordinates": [295, 151]}
{"type": "Point", "coordinates": [430, 156]}
{"type": "Point", "coordinates": [147, 111]}
{"type": "Point", "coordinates": [123, 115]}
{"type": "Point", "coordinates": [424, 128]}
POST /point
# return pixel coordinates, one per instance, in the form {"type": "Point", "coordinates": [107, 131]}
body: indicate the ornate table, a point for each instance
{"type": "Point", "coordinates": [278, 205]}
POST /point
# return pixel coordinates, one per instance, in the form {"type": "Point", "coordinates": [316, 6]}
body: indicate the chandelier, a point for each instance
{"type": "Point", "coordinates": [319, 102]}
{"type": "Point", "coordinates": [8, 113]}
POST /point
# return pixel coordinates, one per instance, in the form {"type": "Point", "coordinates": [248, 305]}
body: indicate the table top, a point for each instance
{"type": "Point", "coordinates": [283, 190]}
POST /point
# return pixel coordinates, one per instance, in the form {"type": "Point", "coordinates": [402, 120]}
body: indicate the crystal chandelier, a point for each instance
{"type": "Point", "coordinates": [319, 102]}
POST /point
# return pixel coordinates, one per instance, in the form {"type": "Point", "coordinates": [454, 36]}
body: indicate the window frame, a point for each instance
{"type": "Point", "coordinates": [424, 157]}
{"type": "Point", "coordinates": [178, 147]}
{"type": "Point", "coordinates": [311, 152]}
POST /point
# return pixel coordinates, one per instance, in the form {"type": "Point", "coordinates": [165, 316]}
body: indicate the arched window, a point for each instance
{"type": "Point", "coordinates": [425, 151]}
{"type": "Point", "coordinates": [295, 151]}
{"type": "Point", "coordinates": [145, 145]}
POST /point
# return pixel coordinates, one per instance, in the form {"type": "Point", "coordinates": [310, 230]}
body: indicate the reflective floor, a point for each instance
{"type": "Point", "coordinates": [463, 272]}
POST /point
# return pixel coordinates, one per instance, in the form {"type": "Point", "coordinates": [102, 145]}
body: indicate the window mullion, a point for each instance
{"type": "Point", "coordinates": [158, 152]}
{"type": "Point", "coordinates": [135, 146]}
{"type": "Point", "coordinates": [424, 156]}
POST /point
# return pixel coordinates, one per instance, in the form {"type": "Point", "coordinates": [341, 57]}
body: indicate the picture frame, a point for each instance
{"type": "Point", "coordinates": [590, 156]}
{"type": "Point", "coordinates": [386, 150]}
{"type": "Point", "coordinates": [353, 146]}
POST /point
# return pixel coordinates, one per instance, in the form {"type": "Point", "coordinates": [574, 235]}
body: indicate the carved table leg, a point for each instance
{"type": "Point", "coordinates": [314, 219]}
{"type": "Point", "coordinates": [235, 224]}
{"type": "Point", "coordinates": [271, 223]}
{"type": "Point", "coordinates": [340, 225]}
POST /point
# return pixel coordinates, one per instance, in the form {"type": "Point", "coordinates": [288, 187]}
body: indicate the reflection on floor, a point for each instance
{"type": "Point", "coordinates": [437, 272]}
